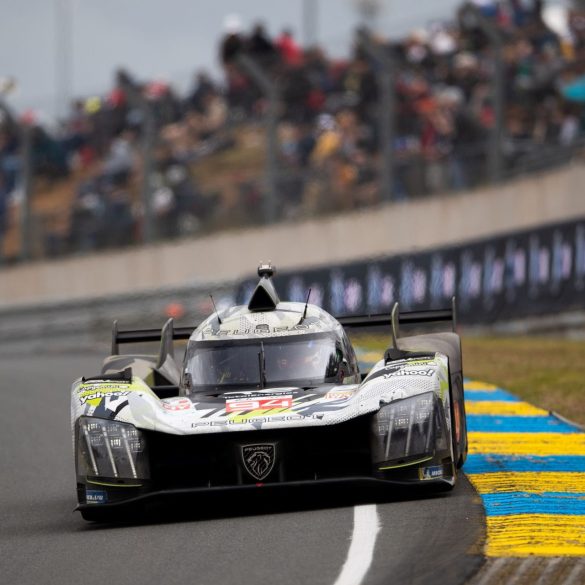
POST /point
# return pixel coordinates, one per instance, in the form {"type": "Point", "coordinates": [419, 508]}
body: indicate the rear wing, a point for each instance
{"type": "Point", "coordinates": [169, 333]}
{"type": "Point", "coordinates": [146, 335]}
{"type": "Point", "coordinates": [396, 318]}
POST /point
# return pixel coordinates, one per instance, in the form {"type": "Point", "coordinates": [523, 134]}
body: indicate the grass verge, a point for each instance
{"type": "Point", "coordinates": [546, 372]}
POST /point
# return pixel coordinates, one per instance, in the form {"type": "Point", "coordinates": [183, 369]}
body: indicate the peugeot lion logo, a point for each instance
{"type": "Point", "coordinates": [259, 460]}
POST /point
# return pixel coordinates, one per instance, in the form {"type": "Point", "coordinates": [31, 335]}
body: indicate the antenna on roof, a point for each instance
{"type": "Point", "coordinates": [215, 308]}
{"type": "Point", "coordinates": [306, 306]}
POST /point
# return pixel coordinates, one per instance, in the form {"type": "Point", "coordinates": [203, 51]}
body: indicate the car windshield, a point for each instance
{"type": "Point", "coordinates": [299, 360]}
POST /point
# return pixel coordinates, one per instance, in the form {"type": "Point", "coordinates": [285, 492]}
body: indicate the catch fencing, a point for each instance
{"type": "Point", "coordinates": [257, 167]}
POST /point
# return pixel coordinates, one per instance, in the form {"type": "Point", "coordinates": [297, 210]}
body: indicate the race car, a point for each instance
{"type": "Point", "coordinates": [268, 394]}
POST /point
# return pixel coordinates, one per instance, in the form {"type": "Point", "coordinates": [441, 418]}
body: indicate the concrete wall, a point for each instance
{"type": "Point", "coordinates": [385, 230]}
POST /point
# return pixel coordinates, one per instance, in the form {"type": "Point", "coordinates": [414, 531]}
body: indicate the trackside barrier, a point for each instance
{"type": "Point", "coordinates": [86, 325]}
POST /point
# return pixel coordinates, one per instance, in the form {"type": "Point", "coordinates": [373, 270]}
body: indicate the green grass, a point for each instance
{"type": "Point", "coordinates": [546, 372]}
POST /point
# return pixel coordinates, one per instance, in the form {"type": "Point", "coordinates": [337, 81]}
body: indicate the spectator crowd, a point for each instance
{"type": "Point", "coordinates": [329, 155]}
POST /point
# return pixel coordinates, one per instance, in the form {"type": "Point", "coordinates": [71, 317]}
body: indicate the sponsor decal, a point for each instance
{"type": "Point", "coordinates": [252, 420]}
{"type": "Point", "coordinates": [410, 362]}
{"type": "Point", "coordinates": [259, 460]}
{"type": "Point", "coordinates": [262, 330]}
{"type": "Point", "coordinates": [339, 394]}
{"type": "Point", "coordinates": [96, 496]}
{"type": "Point", "coordinates": [90, 396]}
{"type": "Point", "coordinates": [418, 372]}
{"type": "Point", "coordinates": [245, 403]}
{"type": "Point", "coordinates": [434, 472]}
{"type": "Point", "coordinates": [419, 362]}
{"type": "Point", "coordinates": [103, 386]}
{"type": "Point", "coordinates": [512, 275]}
{"type": "Point", "coordinates": [178, 405]}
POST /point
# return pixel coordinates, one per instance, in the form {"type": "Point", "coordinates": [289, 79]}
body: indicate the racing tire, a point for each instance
{"type": "Point", "coordinates": [463, 456]}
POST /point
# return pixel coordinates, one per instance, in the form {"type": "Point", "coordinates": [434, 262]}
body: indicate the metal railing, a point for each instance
{"type": "Point", "coordinates": [83, 226]}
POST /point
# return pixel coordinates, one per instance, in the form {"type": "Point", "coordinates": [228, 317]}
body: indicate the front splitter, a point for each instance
{"type": "Point", "coordinates": [353, 482]}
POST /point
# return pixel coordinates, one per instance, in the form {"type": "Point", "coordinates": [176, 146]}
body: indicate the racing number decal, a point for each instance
{"type": "Point", "coordinates": [258, 404]}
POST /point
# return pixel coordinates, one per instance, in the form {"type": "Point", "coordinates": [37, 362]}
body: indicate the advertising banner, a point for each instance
{"type": "Point", "coordinates": [536, 271]}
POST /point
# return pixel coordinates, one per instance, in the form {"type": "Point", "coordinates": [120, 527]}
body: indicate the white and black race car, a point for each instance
{"type": "Point", "coordinates": [268, 394]}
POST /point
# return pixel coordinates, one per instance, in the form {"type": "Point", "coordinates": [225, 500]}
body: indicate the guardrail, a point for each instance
{"type": "Point", "coordinates": [86, 325]}
{"type": "Point", "coordinates": [513, 283]}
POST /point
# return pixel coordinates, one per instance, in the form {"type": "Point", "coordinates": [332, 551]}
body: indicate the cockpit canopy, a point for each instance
{"type": "Point", "coordinates": [293, 360]}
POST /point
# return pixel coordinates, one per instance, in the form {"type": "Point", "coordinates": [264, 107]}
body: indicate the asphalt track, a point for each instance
{"type": "Point", "coordinates": [288, 538]}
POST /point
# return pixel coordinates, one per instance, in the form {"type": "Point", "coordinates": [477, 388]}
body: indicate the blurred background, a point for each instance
{"type": "Point", "coordinates": [375, 150]}
{"type": "Point", "coordinates": [130, 123]}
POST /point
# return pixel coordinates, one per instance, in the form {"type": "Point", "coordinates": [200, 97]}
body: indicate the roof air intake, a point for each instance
{"type": "Point", "coordinates": [264, 297]}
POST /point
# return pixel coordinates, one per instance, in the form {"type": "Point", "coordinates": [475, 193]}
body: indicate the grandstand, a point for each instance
{"type": "Point", "coordinates": [142, 163]}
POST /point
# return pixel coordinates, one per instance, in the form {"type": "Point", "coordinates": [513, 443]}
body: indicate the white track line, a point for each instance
{"type": "Point", "coordinates": [361, 550]}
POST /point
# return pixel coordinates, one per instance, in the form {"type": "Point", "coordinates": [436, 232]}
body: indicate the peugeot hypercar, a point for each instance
{"type": "Point", "coordinates": [268, 394]}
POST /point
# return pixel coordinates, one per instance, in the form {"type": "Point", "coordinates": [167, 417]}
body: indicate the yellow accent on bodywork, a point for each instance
{"type": "Point", "coordinates": [405, 464]}
{"type": "Point", "coordinates": [103, 388]}
{"type": "Point", "coordinates": [443, 388]}
{"type": "Point", "coordinates": [123, 485]}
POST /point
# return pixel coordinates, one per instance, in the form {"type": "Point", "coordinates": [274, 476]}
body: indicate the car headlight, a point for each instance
{"type": "Point", "coordinates": [110, 450]}
{"type": "Point", "coordinates": [408, 431]}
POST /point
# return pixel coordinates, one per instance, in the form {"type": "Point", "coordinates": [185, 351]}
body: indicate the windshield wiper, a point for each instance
{"type": "Point", "coordinates": [262, 366]}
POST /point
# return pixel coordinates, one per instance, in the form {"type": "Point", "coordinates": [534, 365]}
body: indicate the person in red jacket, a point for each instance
{"type": "Point", "coordinates": [289, 50]}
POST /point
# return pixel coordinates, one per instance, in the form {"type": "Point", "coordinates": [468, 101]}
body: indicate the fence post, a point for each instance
{"type": "Point", "coordinates": [473, 15]}
{"type": "Point", "coordinates": [386, 110]}
{"type": "Point", "coordinates": [310, 16]}
{"type": "Point", "coordinates": [270, 91]}
{"type": "Point", "coordinates": [26, 181]}
{"type": "Point", "coordinates": [148, 143]}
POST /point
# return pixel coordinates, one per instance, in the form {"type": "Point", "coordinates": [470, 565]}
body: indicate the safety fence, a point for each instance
{"type": "Point", "coordinates": [94, 219]}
